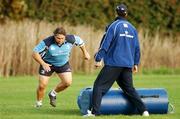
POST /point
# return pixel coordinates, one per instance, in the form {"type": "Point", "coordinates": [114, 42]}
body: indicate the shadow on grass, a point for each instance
{"type": "Point", "coordinates": [55, 111]}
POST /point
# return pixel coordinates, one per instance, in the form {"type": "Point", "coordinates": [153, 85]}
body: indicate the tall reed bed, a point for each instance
{"type": "Point", "coordinates": [159, 51]}
{"type": "Point", "coordinates": [17, 40]}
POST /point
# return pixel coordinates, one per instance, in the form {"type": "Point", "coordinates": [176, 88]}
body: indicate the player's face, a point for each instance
{"type": "Point", "coordinates": [60, 38]}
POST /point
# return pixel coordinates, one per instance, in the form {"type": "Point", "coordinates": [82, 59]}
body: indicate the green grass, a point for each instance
{"type": "Point", "coordinates": [17, 97]}
{"type": "Point", "coordinates": [162, 71]}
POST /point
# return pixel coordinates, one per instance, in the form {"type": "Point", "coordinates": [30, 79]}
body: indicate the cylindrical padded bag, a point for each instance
{"type": "Point", "coordinates": [115, 102]}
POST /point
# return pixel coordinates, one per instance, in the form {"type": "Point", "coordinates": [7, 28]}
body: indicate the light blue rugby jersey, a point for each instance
{"type": "Point", "coordinates": [54, 54]}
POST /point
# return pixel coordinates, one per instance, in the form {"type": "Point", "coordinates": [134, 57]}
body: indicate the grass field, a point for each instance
{"type": "Point", "coordinates": [17, 97]}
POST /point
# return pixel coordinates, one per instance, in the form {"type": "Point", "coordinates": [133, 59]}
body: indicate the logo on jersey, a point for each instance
{"type": "Point", "coordinates": [125, 25]}
{"type": "Point", "coordinates": [126, 34]}
{"type": "Point", "coordinates": [52, 48]}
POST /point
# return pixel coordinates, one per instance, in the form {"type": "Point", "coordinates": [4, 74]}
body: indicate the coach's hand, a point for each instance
{"type": "Point", "coordinates": [135, 69]}
{"type": "Point", "coordinates": [98, 64]}
{"type": "Point", "coordinates": [46, 67]}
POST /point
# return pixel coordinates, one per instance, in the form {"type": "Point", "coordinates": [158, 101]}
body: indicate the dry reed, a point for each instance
{"type": "Point", "coordinates": [19, 38]}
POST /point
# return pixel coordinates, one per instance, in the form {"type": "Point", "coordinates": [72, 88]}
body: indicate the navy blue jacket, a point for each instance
{"type": "Point", "coordinates": [120, 45]}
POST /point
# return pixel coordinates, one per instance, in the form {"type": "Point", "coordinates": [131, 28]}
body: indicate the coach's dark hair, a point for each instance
{"type": "Point", "coordinates": [122, 10]}
{"type": "Point", "coordinates": [59, 30]}
{"type": "Point", "coordinates": [122, 14]}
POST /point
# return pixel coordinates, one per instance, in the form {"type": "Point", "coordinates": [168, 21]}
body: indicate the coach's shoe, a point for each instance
{"type": "Point", "coordinates": [89, 114]}
{"type": "Point", "coordinates": [52, 100]}
{"type": "Point", "coordinates": [38, 104]}
{"type": "Point", "coordinates": [145, 114]}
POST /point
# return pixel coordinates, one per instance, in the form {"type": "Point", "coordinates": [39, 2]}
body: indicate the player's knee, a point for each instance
{"type": "Point", "coordinates": [67, 83]}
{"type": "Point", "coordinates": [42, 87]}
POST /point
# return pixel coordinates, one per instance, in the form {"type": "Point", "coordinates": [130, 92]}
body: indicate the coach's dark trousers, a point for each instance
{"type": "Point", "coordinates": [107, 76]}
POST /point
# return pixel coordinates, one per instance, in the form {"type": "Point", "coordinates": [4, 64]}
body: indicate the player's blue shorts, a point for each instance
{"type": "Point", "coordinates": [65, 68]}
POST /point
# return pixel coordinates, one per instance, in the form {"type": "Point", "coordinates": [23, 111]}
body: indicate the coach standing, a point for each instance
{"type": "Point", "coordinates": [120, 51]}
